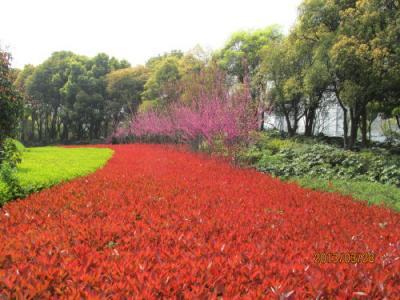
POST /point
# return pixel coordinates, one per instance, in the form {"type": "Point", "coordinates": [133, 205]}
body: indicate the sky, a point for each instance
{"type": "Point", "coordinates": [130, 29]}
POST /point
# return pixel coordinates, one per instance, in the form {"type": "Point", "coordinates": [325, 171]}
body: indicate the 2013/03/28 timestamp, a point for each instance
{"type": "Point", "coordinates": [344, 257]}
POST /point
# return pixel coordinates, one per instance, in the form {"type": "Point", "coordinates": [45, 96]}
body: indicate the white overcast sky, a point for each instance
{"type": "Point", "coordinates": [130, 29]}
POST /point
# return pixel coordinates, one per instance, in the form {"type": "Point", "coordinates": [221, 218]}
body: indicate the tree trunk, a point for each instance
{"type": "Point", "coordinates": [398, 121]}
{"type": "Point", "coordinates": [355, 119]}
{"type": "Point", "coordinates": [65, 133]}
{"type": "Point", "coordinates": [289, 125]}
{"type": "Point", "coordinates": [310, 118]}
{"type": "Point", "coordinates": [40, 129]}
{"type": "Point", "coordinates": [295, 126]}
{"type": "Point", "coordinates": [32, 135]}
{"type": "Point", "coordinates": [59, 122]}
{"type": "Point", "coordinates": [80, 132]}
{"type": "Point", "coordinates": [364, 128]}
{"type": "Point", "coordinates": [262, 120]}
{"type": "Point", "coordinates": [370, 130]}
{"type": "Point", "coordinates": [23, 129]}
{"type": "Point", "coordinates": [345, 125]}
{"type": "Point", "coordinates": [105, 129]}
{"type": "Point", "coordinates": [53, 132]}
{"type": "Point", "coordinates": [46, 127]}
{"type": "Point", "coordinates": [345, 129]}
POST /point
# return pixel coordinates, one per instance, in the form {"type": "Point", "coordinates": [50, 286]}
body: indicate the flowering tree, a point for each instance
{"type": "Point", "coordinates": [213, 112]}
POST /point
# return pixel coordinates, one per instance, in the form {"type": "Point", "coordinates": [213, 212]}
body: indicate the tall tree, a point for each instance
{"type": "Point", "coordinates": [45, 84]}
{"type": "Point", "coordinates": [241, 55]}
{"type": "Point", "coordinates": [29, 104]}
{"type": "Point", "coordinates": [162, 80]}
{"type": "Point", "coordinates": [66, 96]}
{"type": "Point", "coordinates": [357, 40]}
{"type": "Point", "coordinates": [282, 67]}
{"type": "Point", "coordinates": [241, 58]}
{"type": "Point", "coordinates": [125, 88]}
{"type": "Point", "coordinates": [10, 101]}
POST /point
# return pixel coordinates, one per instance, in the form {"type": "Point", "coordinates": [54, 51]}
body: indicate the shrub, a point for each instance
{"type": "Point", "coordinates": [10, 156]}
{"type": "Point", "coordinates": [287, 158]}
{"type": "Point", "coordinates": [13, 187]}
{"type": "Point", "coordinates": [11, 152]}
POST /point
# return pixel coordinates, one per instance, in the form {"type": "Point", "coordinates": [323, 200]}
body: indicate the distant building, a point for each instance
{"type": "Point", "coordinates": [329, 121]}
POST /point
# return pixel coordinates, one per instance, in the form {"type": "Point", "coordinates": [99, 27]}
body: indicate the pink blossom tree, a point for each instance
{"type": "Point", "coordinates": [214, 112]}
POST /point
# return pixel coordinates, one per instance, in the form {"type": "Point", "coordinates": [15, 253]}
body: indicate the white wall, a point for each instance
{"type": "Point", "coordinates": [329, 122]}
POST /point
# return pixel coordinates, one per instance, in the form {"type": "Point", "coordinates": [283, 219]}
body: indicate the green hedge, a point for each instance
{"type": "Point", "coordinates": [289, 158]}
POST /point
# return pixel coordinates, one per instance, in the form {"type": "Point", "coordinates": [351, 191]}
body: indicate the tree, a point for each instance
{"type": "Point", "coordinates": [241, 55]}
{"type": "Point", "coordinates": [45, 84]}
{"type": "Point", "coordinates": [357, 41]}
{"type": "Point", "coordinates": [162, 80]}
{"type": "Point", "coordinates": [125, 88]}
{"type": "Point", "coordinates": [10, 102]}
{"type": "Point", "coordinates": [29, 104]}
{"type": "Point", "coordinates": [66, 96]}
{"type": "Point", "coordinates": [282, 67]}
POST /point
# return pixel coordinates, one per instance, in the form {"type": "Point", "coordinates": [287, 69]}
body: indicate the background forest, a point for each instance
{"type": "Point", "coordinates": [338, 51]}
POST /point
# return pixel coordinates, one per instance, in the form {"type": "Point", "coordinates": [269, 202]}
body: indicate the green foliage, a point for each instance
{"type": "Point", "coordinates": [10, 101]}
{"type": "Point", "coordinates": [164, 75]}
{"type": "Point", "coordinates": [10, 154]}
{"type": "Point", "coordinates": [65, 98]}
{"type": "Point", "coordinates": [43, 167]}
{"type": "Point", "coordinates": [372, 175]}
{"type": "Point", "coordinates": [124, 88]}
{"type": "Point", "coordinates": [242, 53]}
{"type": "Point", "coordinates": [10, 186]}
{"type": "Point", "coordinates": [216, 147]}
{"type": "Point", "coordinates": [392, 135]}
{"type": "Point", "coordinates": [372, 192]}
{"type": "Point", "coordinates": [357, 43]}
{"type": "Point", "coordinates": [172, 75]}
{"type": "Point", "coordinates": [20, 147]}
{"type": "Point", "coordinates": [147, 105]}
{"type": "Point", "coordinates": [288, 158]}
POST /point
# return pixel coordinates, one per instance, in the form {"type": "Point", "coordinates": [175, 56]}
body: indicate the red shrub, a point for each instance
{"type": "Point", "coordinates": [161, 223]}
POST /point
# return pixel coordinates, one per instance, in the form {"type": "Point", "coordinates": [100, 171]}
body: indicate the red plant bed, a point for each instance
{"type": "Point", "coordinates": [160, 223]}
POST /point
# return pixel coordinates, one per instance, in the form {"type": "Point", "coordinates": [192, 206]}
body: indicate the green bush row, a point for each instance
{"type": "Point", "coordinates": [288, 158]}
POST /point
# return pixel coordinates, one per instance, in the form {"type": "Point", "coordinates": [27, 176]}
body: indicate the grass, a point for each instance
{"type": "Point", "coordinates": [44, 167]}
{"type": "Point", "coordinates": [373, 193]}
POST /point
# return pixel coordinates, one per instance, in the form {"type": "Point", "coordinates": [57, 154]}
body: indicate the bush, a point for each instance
{"type": "Point", "coordinates": [288, 158]}
{"type": "Point", "coordinates": [10, 157]}
{"type": "Point", "coordinates": [13, 187]}
{"type": "Point", "coordinates": [11, 152]}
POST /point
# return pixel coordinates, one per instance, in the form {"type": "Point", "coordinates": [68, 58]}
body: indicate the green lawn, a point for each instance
{"type": "Point", "coordinates": [43, 167]}
{"type": "Point", "coordinates": [373, 193]}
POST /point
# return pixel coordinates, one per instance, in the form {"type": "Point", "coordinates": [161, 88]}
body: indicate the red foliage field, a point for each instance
{"type": "Point", "coordinates": [161, 223]}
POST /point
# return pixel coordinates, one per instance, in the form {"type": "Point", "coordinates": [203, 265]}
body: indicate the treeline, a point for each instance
{"type": "Point", "coordinates": [71, 98]}
{"type": "Point", "coordinates": [345, 52]}
{"type": "Point", "coordinates": [347, 48]}
{"type": "Point", "coordinates": [66, 98]}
